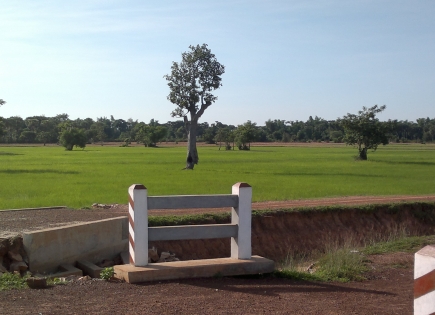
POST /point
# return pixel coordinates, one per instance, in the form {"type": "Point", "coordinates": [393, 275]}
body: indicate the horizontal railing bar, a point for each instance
{"type": "Point", "coordinates": [192, 201]}
{"type": "Point", "coordinates": [192, 232]}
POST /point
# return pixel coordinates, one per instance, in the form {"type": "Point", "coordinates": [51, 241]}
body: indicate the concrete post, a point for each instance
{"type": "Point", "coordinates": [424, 281]}
{"type": "Point", "coordinates": [138, 224]}
{"type": "Point", "coordinates": [241, 245]}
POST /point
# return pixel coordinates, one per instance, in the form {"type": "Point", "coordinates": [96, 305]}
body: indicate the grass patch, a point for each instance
{"type": "Point", "coordinates": [341, 264]}
{"type": "Point", "coordinates": [49, 176]}
{"type": "Point", "coordinates": [348, 262]}
{"type": "Point", "coordinates": [10, 281]}
{"type": "Point", "coordinates": [400, 244]}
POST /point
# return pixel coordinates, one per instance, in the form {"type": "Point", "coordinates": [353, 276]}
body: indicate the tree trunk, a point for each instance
{"type": "Point", "coordinates": [363, 154]}
{"type": "Point", "coordinates": [192, 153]}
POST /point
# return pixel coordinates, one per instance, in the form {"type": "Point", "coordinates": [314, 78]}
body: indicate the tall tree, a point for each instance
{"type": "Point", "coordinates": [190, 83]}
{"type": "Point", "coordinates": [365, 130]}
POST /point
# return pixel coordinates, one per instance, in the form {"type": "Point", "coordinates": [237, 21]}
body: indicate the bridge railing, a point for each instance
{"type": "Point", "coordinates": [140, 233]}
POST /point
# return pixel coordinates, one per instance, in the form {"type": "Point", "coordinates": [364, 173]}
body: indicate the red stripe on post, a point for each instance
{"type": "Point", "coordinates": [131, 260]}
{"type": "Point", "coordinates": [130, 239]}
{"type": "Point", "coordinates": [130, 219]}
{"type": "Point", "coordinates": [424, 284]}
{"type": "Point", "coordinates": [131, 202]}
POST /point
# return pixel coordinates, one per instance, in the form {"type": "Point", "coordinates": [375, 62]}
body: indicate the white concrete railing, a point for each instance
{"type": "Point", "coordinates": [239, 229]}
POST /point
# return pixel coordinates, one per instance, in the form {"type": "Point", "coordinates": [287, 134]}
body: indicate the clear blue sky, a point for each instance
{"type": "Point", "coordinates": [284, 59]}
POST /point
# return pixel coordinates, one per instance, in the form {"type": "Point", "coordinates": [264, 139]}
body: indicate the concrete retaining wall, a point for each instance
{"type": "Point", "coordinates": [93, 241]}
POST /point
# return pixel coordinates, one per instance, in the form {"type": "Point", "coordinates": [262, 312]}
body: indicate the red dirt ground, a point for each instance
{"type": "Point", "coordinates": [389, 292]}
{"type": "Point", "coordinates": [389, 289]}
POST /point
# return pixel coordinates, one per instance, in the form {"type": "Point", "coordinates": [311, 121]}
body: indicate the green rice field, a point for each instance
{"type": "Point", "coordinates": [50, 176]}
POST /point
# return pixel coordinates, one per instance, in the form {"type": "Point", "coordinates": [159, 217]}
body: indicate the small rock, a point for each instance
{"type": "Point", "coordinates": [18, 266]}
{"type": "Point", "coordinates": [70, 278]}
{"type": "Point", "coordinates": [85, 278]}
{"type": "Point", "coordinates": [165, 255]}
{"type": "Point", "coordinates": [37, 283]}
{"type": "Point", "coordinates": [153, 255]}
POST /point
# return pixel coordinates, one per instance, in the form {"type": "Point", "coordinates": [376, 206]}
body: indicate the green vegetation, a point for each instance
{"type": "Point", "coordinates": [400, 244]}
{"type": "Point", "coordinates": [341, 263]}
{"type": "Point", "coordinates": [347, 262]}
{"type": "Point", "coordinates": [50, 176]}
{"type": "Point", "coordinates": [365, 131]}
{"type": "Point", "coordinates": [10, 281]}
{"type": "Point", "coordinates": [56, 281]}
{"type": "Point", "coordinates": [43, 129]}
{"type": "Point", "coordinates": [107, 273]}
{"type": "Point", "coordinates": [73, 137]}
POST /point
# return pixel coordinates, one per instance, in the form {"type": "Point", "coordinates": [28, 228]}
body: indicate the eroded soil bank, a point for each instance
{"type": "Point", "coordinates": [276, 233]}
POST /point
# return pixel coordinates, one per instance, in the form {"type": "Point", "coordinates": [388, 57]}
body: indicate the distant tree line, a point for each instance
{"type": "Point", "coordinates": [42, 129]}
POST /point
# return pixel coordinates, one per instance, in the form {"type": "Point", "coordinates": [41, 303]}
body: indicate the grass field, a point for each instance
{"type": "Point", "coordinates": [50, 176]}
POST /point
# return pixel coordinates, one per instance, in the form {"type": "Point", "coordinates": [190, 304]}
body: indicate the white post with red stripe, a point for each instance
{"type": "Point", "coordinates": [424, 281]}
{"type": "Point", "coordinates": [138, 224]}
{"type": "Point", "coordinates": [241, 215]}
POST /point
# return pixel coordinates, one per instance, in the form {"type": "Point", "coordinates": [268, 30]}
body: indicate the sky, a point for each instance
{"type": "Point", "coordinates": [284, 59]}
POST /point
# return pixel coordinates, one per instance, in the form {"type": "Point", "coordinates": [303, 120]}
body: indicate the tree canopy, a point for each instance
{"type": "Point", "coordinates": [246, 134]}
{"type": "Point", "coordinates": [71, 137]}
{"type": "Point", "coordinates": [364, 130]}
{"type": "Point", "coordinates": [191, 83]}
{"type": "Point", "coordinates": [152, 133]}
{"type": "Point", "coordinates": [314, 129]}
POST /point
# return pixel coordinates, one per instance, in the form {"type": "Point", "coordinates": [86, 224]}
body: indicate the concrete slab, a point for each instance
{"type": "Point", "coordinates": [68, 270]}
{"type": "Point", "coordinates": [194, 269]}
{"type": "Point", "coordinates": [64, 270]}
{"type": "Point", "coordinates": [89, 268]}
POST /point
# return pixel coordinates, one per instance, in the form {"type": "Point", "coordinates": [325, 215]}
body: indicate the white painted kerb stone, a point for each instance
{"type": "Point", "coordinates": [424, 281]}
